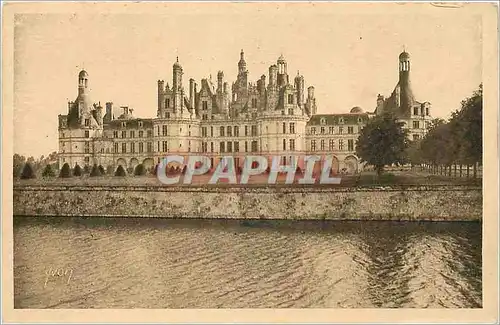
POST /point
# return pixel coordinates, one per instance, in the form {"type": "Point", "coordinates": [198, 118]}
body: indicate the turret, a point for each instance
{"type": "Point", "coordinates": [242, 65]}
{"type": "Point", "coordinates": [299, 86]}
{"type": "Point", "coordinates": [83, 82]}
{"type": "Point", "coordinates": [220, 77]}
{"type": "Point", "coordinates": [109, 112]}
{"type": "Point", "coordinates": [406, 99]}
{"type": "Point", "coordinates": [282, 71]}
{"type": "Point", "coordinates": [177, 76]}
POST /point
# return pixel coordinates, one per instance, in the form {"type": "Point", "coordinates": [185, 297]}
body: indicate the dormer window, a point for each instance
{"type": "Point", "coordinates": [140, 124]}
{"type": "Point", "coordinates": [87, 122]}
{"type": "Point", "coordinates": [341, 120]}
{"type": "Point", "coordinates": [360, 120]}
{"type": "Point", "coordinates": [124, 124]}
{"type": "Point", "coordinates": [322, 121]}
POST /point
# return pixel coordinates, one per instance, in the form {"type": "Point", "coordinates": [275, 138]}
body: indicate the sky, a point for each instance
{"type": "Point", "coordinates": [348, 56]}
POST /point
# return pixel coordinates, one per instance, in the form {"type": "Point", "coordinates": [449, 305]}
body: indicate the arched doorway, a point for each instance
{"type": "Point", "coordinates": [121, 162]}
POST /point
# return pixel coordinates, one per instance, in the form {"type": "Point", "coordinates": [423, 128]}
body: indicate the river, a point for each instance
{"type": "Point", "coordinates": [160, 263]}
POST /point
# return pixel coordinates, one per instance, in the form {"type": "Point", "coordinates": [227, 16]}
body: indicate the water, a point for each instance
{"type": "Point", "coordinates": [152, 263]}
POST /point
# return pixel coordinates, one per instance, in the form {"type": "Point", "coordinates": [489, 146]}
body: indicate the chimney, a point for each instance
{"type": "Point", "coordinates": [192, 91]}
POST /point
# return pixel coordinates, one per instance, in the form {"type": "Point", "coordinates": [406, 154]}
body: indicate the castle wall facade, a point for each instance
{"type": "Point", "coordinates": [273, 116]}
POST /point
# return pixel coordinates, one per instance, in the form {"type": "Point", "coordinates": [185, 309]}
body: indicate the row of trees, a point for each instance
{"type": "Point", "coordinates": [458, 141]}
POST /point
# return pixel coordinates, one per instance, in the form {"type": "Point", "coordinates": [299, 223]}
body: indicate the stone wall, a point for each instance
{"type": "Point", "coordinates": [454, 203]}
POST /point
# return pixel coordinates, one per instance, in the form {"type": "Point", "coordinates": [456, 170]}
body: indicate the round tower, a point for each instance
{"type": "Point", "coordinates": [404, 65]}
{"type": "Point", "coordinates": [83, 82]}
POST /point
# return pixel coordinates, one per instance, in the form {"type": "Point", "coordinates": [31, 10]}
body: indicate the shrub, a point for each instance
{"type": "Point", "coordinates": [86, 169]}
{"type": "Point", "coordinates": [139, 170]}
{"type": "Point", "coordinates": [27, 172]}
{"type": "Point", "coordinates": [95, 171]}
{"type": "Point", "coordinates": [101, 169]}
{"type": "Point", "coordinates": [120, 171]}
{"type": "Point", "coordinates": [48, 171]}
{"type": "Point", "coordinates": [77, 171]}
{"type": "Point", "coordinates": [65, 171]}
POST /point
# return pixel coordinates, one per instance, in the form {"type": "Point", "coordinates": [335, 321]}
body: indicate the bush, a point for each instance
{"type": "Point", "coordinates": [77, 171]}
{"type": "Point", "coordinates": [139, 170]}
{"type": "Point", "coordinates": [120, 171]}
{"type": "Point", "coordinates": [27, 172]}
{"type": "Point", "coordinates": [101, 170]}
{"type": "Point", "coordinates": [48, 171]}
{"type": "Point", "coordinates": [65, 171]}
{"type": "Point", "coordinates": [86, 169]}
{"type": "Point", "coordinates": [95, 171]}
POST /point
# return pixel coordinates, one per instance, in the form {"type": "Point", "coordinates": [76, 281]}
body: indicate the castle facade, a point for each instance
{"type": "Point", "coordinates": [276, 115]}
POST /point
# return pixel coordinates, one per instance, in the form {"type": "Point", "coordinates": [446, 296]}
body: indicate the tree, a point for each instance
{"type": "Point", "coordinates": [27, 172]}
{"type": "Point", "coordinates": [382, 142]}
{"type": "Point", "coordinates": [48, 171]}
{"type": "Point", "coordinates": [18, 164]}
{"type": "Point", "coordinates": [65, 171]}
{"type": "Point", "coordinates": [77, 171]}
{"type": "Point", "coordinates": [139, 170]}
{"type": "Point", "coordinates": [120, 171]}
{"type": "Point", "coordinates": [86, 169]}
{"type": "Point", "coordinates": [95, 171]}
{"type": "Point", "coordinates": [471, 123]}
{"type": "Point", "coordinates": [101, 170]}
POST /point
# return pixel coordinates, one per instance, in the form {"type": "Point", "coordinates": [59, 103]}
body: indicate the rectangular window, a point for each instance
{"type": "Point", "coordinates": [236, 146]}
{"type": "Point", "coordinates": [141, 134]}
{"type": "Point", "coordinates": [150, 147]}
{"type": "Point", "coordinates": [284, 127]}
{"type": "Point", "coordinates": [221, 131]}
{"type": "Point", "coordinates": [87, 159]}
{"type": "Point", "coordinates": [87, 122]}
{"type": "Point", "coordinates": [150, 133]}
{"type": "Point", "coordinates": [290, 111]}
{"type": "Point", "coordinates": [254, 102]}
{"type": "Point", "coordinates": [205, 105]}
{"type": "Point", "coordinates": [167, 115]}
{"type": "Point", "coordinates": [205, 117]}
{"type": "Point", "coordinates": [168, 102]}
{"type": "Point", "coordinates": [292, 128]}
{"type": "Point", "coordinates": [254, 146]}
{"type": "Point", "coordinates": [211, 131]}
{"type": "Point", "coordinates": [229, 146]}
{"type": "Point", "coordinates": [246, 146]}
{"type": "Point", "coordinates": [350, 130]}
{"type": "Point", "coordinates": [322, 145]}
{"type": "Point", "coordinates": [229, 131]}
{"type": "Point", "coordinates": [416, 124]}
{"type": "Point", "coordinates": [132, 147]}
{"type": "Point", "coordinates": [116, 147]}
{"type": "Point", "coordinates": [132, 134]}
{"type": "Point", "coordinates": [322, 130]}
{"type": "Point", "coordinates": [416, 137]}
{"type": "Point", "coordinates": [87, 147]}
{"type": "Point", "coordinates": [427, 111]}
{"type": "Point", "coordinates": [331, 145]}
{"type": "Point", "coordinates": [164, 130]}
{"type": "Point", "coordinates": [141, 147]}
{"type": "Point", "coordinates": [164, 146]}
{"type": "Point", "coordinates": [290, 99]}
{"type": "Point", "coordinates": [140, 124]}
{"type": "Point", "coordinates": [236, 131]}
{"type": "Point", "coordinates": [284, 144]}
{"type": "Point", "coordinates": [331, 130]}
{"type": "Point", "coordinates": [313, 130]}
{"type": "Point", "coordinates": [254, 130]}
{"type": "Point", "coordinates": [292, 144]}
{"type": "Point", "coordinates": [124, 134]}
{"type": "Point", "coordinates": [350, 145]}
{"type": "Point", "coordinates": [115, 134]}
{"type": "Point", "coordinates": [211, 146]}
{"type": "Point", "coordinates": [221, 147]}
{"type": "Point", "coordinates": [415, 110]}
{"type": "Point", "coordinates": [313, 145]}
{"type": "Point", "coordinates": [124, 147]}
{"type": "Point", "coordinates": [341, 130]}
{"type": "Point", "coordinates": [246, 130]}
{"type": "Point", "coordinates": [87, 134]}
{"type": "Point", "coordinates": [341, 145]}
{"type": "Point", "coordinates": [204, 131]}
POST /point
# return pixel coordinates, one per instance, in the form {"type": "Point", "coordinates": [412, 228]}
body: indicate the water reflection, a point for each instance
{"type": "Point", "coordinates": [153, 263]}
